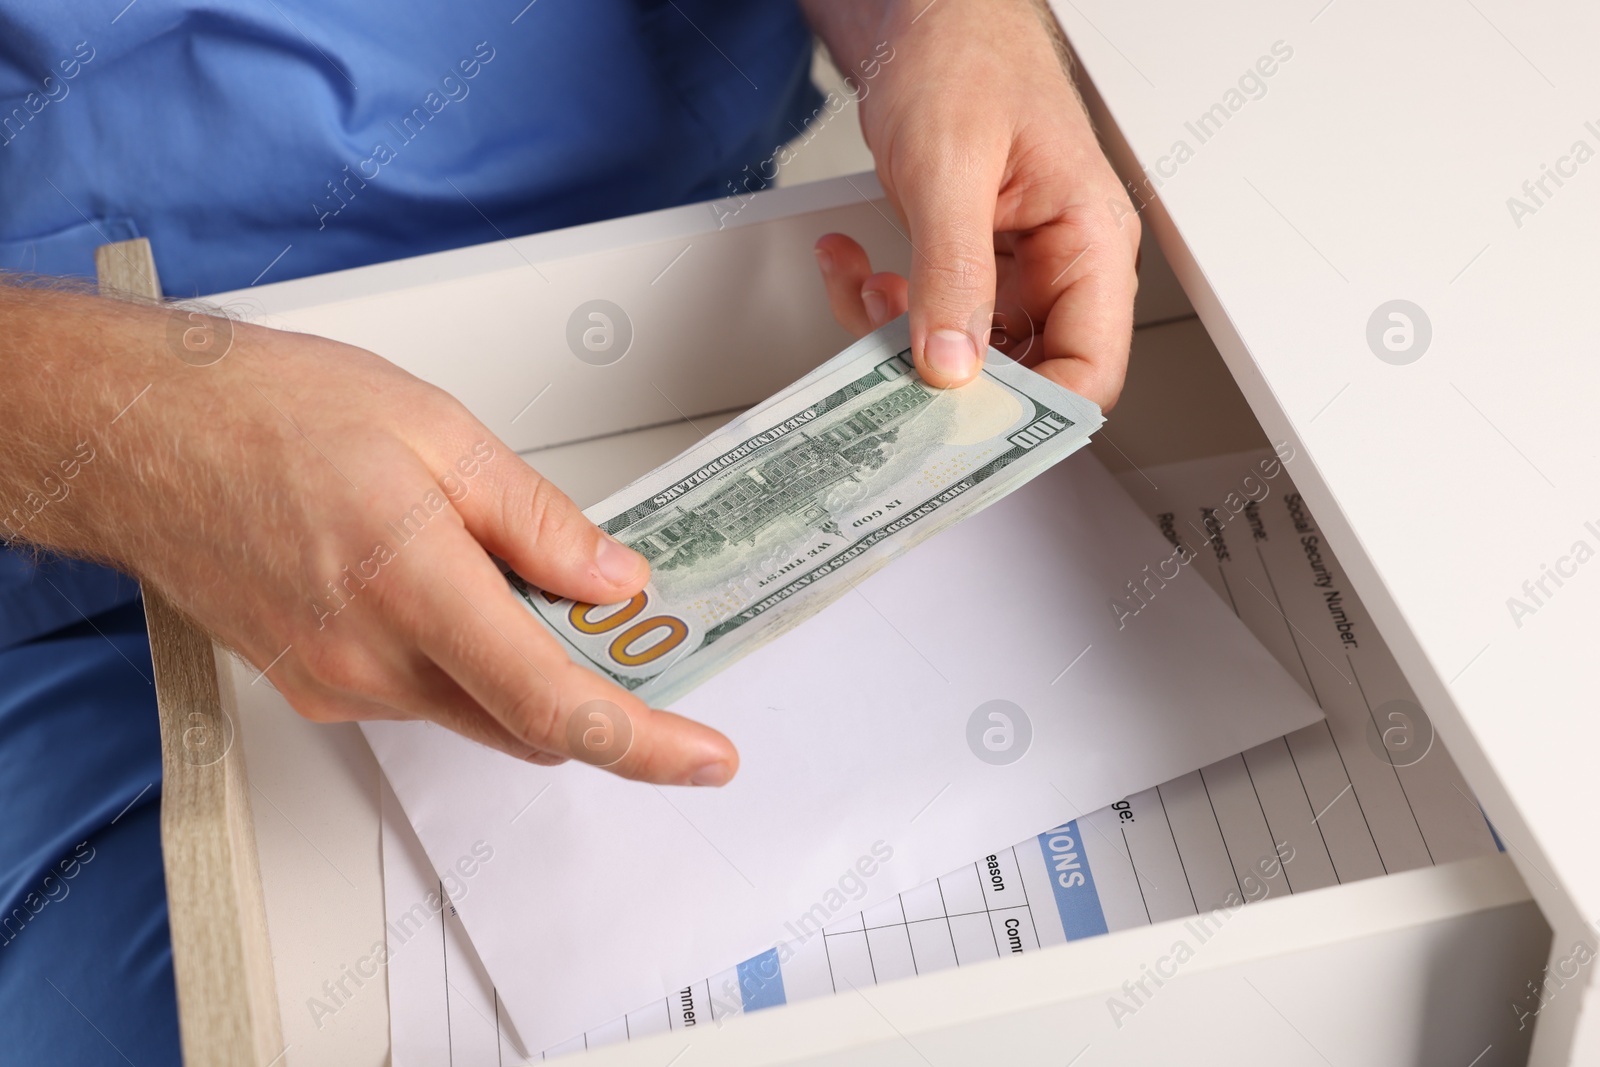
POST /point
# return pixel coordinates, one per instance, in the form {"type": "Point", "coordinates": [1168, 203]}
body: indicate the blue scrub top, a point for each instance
{"type": "Point", "coordinates": [336, 134]}
{"type": "Point", "coordinates": [255, 142]}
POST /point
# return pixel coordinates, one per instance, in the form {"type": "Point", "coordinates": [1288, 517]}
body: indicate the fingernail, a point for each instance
{"type": "Point", "coordinates": [712, 774]}
{"type": "Point", "coordinates": [617, 562]}
{"type": "Point", "coordinates": [877, 306]}
{"type": "Point", "coordinates": [951, 354]}
{"type": "Point", "coordinates": [824, 260]}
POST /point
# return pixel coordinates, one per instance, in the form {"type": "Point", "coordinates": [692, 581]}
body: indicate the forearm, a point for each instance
{"type": "Point", "coordinates": [66, 362]}
{"type": "Point", "coordinates": [851, 28]}
{"type": "Point", "coordinates": [854, 30]}
{"type": "Point", "coordinates": [90, 384]}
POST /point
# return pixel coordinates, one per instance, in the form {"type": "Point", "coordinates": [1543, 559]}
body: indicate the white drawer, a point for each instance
{"type": "Point", "coordinates": [1423, 966]}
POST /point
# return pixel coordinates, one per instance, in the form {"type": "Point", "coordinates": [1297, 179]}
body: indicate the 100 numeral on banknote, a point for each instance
{"type": "Point", "coordinates": [789, 506]}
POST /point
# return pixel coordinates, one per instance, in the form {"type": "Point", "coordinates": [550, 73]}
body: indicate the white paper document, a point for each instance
{"type": "Point", "coordinates": [1332, 802]}
{"type": "Point", "coordinates": [874, 740]}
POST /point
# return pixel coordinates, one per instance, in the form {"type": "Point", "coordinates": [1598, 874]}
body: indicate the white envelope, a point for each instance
{"type": "Point", "coordinates": [862, 737]}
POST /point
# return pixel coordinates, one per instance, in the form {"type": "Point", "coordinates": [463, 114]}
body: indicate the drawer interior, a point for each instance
{"type": "Point", "coordinates": [1389, 873]}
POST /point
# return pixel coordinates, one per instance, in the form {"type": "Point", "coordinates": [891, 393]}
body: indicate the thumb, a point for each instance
{"type": "Point", "coordinates": [520, 516]}
{"type": "Point", "coordinates": [950, 210]}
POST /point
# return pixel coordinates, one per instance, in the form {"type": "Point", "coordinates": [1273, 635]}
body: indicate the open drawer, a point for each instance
{"type": "Point", "coordinates": [712, 313]}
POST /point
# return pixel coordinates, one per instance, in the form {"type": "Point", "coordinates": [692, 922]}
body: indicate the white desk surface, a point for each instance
{"type": "Point", "coordinates": [1377, 165]}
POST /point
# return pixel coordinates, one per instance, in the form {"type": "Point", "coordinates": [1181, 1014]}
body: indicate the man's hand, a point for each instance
{"type": "Point", "coordinates": [985, 150]}
{"type": "Point", "coordinates": [332, 519]}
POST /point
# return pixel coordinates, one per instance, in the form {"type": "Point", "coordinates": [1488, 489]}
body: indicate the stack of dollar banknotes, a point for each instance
{"type": "Point", "coordinates": [786, 508]}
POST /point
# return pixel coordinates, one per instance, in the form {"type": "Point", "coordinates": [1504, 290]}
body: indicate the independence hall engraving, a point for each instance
{"type": "Point", "coordinates": [794, 481]}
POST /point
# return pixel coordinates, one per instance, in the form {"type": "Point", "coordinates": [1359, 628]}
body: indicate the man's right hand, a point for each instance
{"type": "Point", "coordinates": [329, 517]}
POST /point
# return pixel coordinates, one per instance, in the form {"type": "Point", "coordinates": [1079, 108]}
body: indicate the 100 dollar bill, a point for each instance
{"type": "Point", "coordinates": [783, 510]}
